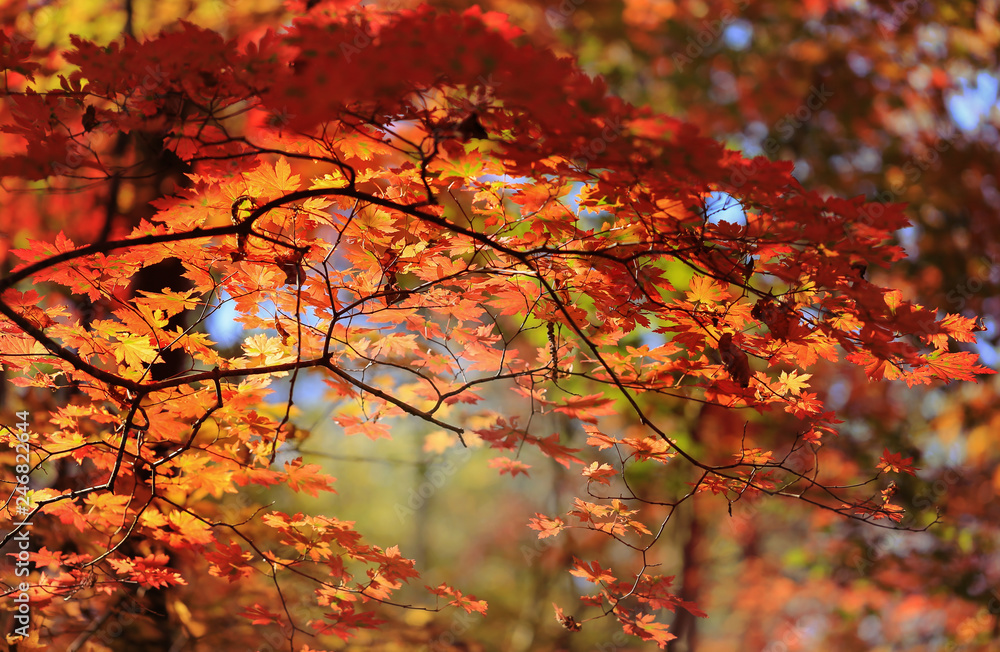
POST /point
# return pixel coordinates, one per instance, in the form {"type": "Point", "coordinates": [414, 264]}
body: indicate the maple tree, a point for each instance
{"type": "Point", "coordinates": [427, 229]}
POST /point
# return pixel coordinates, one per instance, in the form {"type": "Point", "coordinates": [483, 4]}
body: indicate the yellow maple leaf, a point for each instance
{"type": "Point", "coordinates": [705, 290]}
{"type": "Point", "coordinates": [135, 350]}
{"type": "Point", "coordinates": [275, 181]}
{"type": "Point", "coordinates": [334, 180]}
{"type": "Point", "coordinates": [792, 383]}
{"type": "Point", "coordinates": [267, 350]}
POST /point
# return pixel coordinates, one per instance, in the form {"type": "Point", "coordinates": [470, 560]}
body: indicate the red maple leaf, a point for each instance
{"type": "Point", "coordinates": [895, 463]}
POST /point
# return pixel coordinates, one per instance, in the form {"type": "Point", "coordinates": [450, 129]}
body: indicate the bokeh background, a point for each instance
{"type": "Point", "coordinates": [896, 101]}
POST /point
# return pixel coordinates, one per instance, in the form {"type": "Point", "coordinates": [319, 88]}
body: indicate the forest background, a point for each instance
{"type": "Point", "coordinates": [893, 101]}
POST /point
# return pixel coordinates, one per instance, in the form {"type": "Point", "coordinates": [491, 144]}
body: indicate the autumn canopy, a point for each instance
{"type": "Point", "coordinates": [443, 230]}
